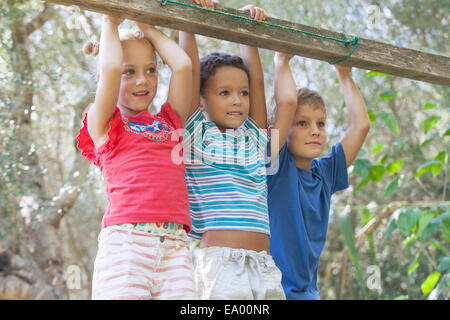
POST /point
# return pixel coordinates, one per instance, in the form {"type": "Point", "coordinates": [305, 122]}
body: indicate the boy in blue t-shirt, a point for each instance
{"type": "Point", "coordinates": [299, 193]}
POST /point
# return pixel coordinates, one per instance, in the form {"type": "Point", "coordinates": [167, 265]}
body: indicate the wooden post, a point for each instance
{"type": "Point", "coordinates": [370, 55]}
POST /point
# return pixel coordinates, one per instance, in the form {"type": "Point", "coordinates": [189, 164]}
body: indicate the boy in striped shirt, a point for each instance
{"type": "Point", "coordinates": [225, 145]}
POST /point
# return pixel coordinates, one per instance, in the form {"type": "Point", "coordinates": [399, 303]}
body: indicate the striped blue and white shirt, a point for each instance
{"type": "Point", "coordinates": [226, 176]}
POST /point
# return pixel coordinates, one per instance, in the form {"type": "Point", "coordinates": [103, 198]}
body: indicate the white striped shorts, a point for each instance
{"type": "Point", "coordinates": [224, 273]}
{"type": "Point", "coordinates": [143, 261]}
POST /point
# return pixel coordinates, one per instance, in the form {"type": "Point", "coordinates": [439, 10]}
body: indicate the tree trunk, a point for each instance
{"type": "Point", "coordinates": [32, 268]}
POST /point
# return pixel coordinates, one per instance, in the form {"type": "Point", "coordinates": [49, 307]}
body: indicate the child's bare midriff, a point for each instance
{"type": "Point", "coordinates": [248, 240]}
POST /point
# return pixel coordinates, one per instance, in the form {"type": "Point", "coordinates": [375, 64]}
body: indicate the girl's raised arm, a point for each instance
{"type": "Point", "coordinates": [180, 88]}
{"type": "Point", "coordinates": [109, 77]}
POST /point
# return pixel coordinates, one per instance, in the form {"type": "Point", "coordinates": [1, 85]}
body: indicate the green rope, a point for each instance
{"type": "Point", "coordinates": [354, 42]}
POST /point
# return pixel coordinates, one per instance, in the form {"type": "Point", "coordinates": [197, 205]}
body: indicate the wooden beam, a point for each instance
{"type": "Point", "coordinates": [370, 55]}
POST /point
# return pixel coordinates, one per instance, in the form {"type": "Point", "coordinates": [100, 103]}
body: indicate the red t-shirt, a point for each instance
{"type": "Point", "coordinates": [143, 184]}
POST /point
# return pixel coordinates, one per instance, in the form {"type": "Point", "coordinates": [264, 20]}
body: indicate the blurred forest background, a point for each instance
{"type": "Point", "coordinates": [389, 233]}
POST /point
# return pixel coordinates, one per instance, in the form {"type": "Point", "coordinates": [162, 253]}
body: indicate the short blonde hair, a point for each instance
{"type": "Point", "coordinates": [304, 96]}
{"type": "Point", "coordinates": [91, 47]}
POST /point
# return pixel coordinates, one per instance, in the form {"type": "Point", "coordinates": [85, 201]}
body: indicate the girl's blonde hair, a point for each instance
{"type": "Point", "coordinates": [91, 47]}
{"type": "Point", "coordinates": [304, 96]}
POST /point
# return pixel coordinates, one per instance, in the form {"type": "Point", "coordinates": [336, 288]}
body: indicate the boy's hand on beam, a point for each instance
{"type": "Point", "coordinates": [343, 71]}
{"type": "Point", "coordinates": [209, 4]}
{"type": "Point", "coordinates": [280, 56]}
{"type": "Point", "coordinates": [114, 20]}
{"type": "Point", "coordinates": [256, 13]}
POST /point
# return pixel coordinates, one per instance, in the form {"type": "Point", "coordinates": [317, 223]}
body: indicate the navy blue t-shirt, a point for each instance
{"type": "Point", "coordinates": [299, 205]}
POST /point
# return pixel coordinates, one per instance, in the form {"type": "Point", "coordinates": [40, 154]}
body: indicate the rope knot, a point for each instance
{"type": "Point", "coordinates": [354, 42]}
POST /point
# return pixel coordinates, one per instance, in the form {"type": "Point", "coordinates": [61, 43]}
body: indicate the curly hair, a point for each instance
{"type": "Point", "coordinates": [210, 63]}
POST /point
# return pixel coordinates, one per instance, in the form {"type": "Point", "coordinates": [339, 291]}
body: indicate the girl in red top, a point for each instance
{"type": "Point", "coordinates": [143, 251]}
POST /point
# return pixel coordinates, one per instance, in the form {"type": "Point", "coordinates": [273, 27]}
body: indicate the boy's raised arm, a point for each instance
{"type": "Point", "coordinates": [180, 88]}
{"type": "Point", "coordinates": [252, 62]}
{"type": "Point", "coordinates": [189, 45]}
{"type": "Point", "coordinates": [110, 73]}
{"type": "Point", "coordinates": [354, 136]}
{"type": "Point", "coordinates": [258, 112]}
{"type": "Point", "coordinates": [285, 99]}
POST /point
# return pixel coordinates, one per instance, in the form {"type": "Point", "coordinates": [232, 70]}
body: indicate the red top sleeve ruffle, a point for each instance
{"type": "Point", "coordinates": [86, 145]}
{"type": "Point", "coordinates": [170, 116]}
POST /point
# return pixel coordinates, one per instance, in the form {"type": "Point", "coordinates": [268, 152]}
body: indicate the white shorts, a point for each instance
{"type": "Point", "coordinates": [223, 273]}
{"type": "Point", "coordinates": [143, 261]}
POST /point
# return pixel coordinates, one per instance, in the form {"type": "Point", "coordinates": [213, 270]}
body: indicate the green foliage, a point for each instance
{"type": "Point", "coordinates": [374, 73]}
{"type": "Point", "coordinates": [377, 148]}
{"type": "Point", "coordinates": [372, 116]}
{"type": "Point", "coordinates": [429, 138]}
{"type": "Point", "coordinates": [425, 231]}
{"type": "Point", "coordinates": [366, 217]}
{"type": "Point", "coordinates": [395, 166]}
{"type": "Point", "coordinates": [391, 188]}
{"type": "Point", "coordinates": [430, 229]}
{"type": "Point", "coordinates": [390, 122]}
{"type": "Point", "coordinates": [388, 95]}
{"type": "Point", "coordinates": [347, 231]}
{"type": "Point", "coordinates": [430, 122]}
{"type": "Point", "coordinates": [429, 105]}
{"type": "Point", "coordinates": [430, 282]}
{"type": "Point", "coordinates": [447, 132]}
{"type": "Point", "coordinates": [434, 166]}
